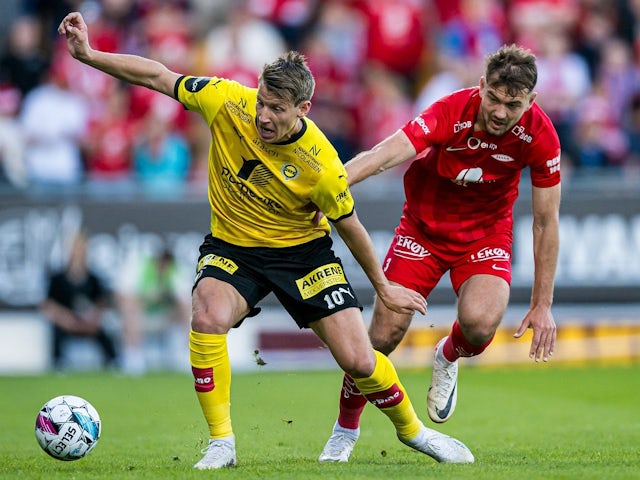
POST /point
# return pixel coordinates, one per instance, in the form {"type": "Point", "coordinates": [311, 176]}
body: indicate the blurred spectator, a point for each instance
{"type": "Point", "coordinates": [385, 93]}
{"type": "Point", "coordinates": [597, 25]}
{"type": "Point", "coordinates": [75, 305]}
{"type": "Point", "coordinates": [531, 20]}
{"type": "Point", "coordinates": [396, 34]}
{"type": "Point", "coordinates": [24, 64]}
{"type": "Point", "coordinates": [291, 17]}
{"type": "Point", "coordinates": [236, 49]}
{"type": "Point", "coordinates": [601, 141]}
{"type": "Point", "coordinates": [478, 28]}
{"type": "Point", "coordinates": [335, 50]}
{"type": "Point", "coordinates": [54, 118]}
{"type": "Point", "coordinates": [632, 129]}
{"type": "Point", "coordinates": [154, 299]}
{"type": "Point", "coordinates": [161, 157]}
{"type": "Point", "coordinates": [563, 81]}
{"type": "Point", "coordinates": [108, 147]}
{"type": "Point", "coordinates": [618, 76]}
{"type": "Point", "coordinates": [12, 168]}
{"type": "Point", "coordinates": [450, 73]}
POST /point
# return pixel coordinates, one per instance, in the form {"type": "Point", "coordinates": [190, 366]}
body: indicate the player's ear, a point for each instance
{"type": "Point", "coordinates": [532, 99]}
{"type": "Point", "coordinates": [303, 108]}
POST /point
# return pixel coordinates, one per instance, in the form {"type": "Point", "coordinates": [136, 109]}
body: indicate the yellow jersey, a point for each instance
{"type": "Point", "coordinates": [264, 194]}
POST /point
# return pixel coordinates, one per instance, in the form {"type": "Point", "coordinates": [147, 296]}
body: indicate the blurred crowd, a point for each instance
{"type": "Point", "coordinates": [377, 63]}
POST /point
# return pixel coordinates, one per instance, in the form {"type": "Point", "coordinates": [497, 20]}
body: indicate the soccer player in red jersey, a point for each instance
{"type": "Point", "coordinates": [470, 148]}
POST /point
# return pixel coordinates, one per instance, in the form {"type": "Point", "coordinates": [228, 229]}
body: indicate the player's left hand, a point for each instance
{"type": "Point", "coordinates": [540, 320]}
{"type": "Point", "coordinates": [402, 300]}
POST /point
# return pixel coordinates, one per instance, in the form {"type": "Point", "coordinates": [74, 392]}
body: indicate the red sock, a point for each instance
{"type": "Point", "coordinates": [352, 404]}
{"type": "Point", "coordinates": [457, 345]}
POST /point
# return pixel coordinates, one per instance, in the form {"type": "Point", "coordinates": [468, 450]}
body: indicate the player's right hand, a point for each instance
{"type": "Point", "coordinates": [75, 29]}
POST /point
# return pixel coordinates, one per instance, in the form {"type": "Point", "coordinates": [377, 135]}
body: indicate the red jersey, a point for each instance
{"type": "Point", "coordinates": [462, 185]}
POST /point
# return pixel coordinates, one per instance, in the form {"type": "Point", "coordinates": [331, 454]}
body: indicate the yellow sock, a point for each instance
{"type": "Point", "coordinates": [384, 390]}
{"type": "Point", "coordinates": [212, 374]}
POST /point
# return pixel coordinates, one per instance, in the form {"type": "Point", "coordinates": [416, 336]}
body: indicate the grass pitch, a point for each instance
{"type": "Point", "coordinates": [542, 422]}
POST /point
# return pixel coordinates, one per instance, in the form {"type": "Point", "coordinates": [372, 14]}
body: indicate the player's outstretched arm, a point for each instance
{"type": "Point", "coordinates": [546, 206]}
{"type": "Point", "coordinates": [128, 68]}
{"type": "Point", "coordinates": [392, 151]}
{"type": "Point", "coordinates": [396, 298]}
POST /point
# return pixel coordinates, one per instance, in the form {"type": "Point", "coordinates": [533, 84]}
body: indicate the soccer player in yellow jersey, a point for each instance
{"type": "Point", "coordinates": [270, 169]}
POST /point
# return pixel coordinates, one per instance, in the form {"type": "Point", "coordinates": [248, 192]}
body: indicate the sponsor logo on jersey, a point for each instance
{"type": "Point", "coordinates": [390, 397]}
{"type": "Point", "coordinates": [307, 158]}
{"type": "Point", "coordinates": [475, 143]}
{"type": "Point", "coordinates": [469, 175]}
{"type": "Point", "coordinates": [260, 177]}
{"type": "Point", "coordinates": [223, 263]}
{"type": "Point", "coordinates": [491, 253]}
{"type": "Point", "coordinates": [459, 126]}
{"type": "Point", "coordinates": [423, 125]}
{"type": "Point", "coordinates": [502, 158]}
{"type": "Point", "coordinates": [236, 110]}
{"type": "Point", "coordinates": [322, 277]}
{"type": "Point", "coordinates": [195, 84]}
{"type": "Point", "coordinates": [289, 171]}
{"type": "Point", "coordinates": [554, 164]}
{"type": "Point", "coordinates": [407, 247]}
{"type": "Point", "coordinates": [342, 196]}
{"type": "Point", "coordinates": [520, 132]}
{"type": "Point", "coordinates": [265, 148]}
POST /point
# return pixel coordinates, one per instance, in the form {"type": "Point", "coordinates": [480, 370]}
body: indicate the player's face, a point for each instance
{"type": "Point", "coordinates": [277, 119]}
{"type": "Point", "coordinates": [499, 111]}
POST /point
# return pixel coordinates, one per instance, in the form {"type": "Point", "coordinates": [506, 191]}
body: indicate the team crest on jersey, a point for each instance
{"type": "Point", "coordinates": [289, 171]}
{"type": "Point", "coordinates": [195, 84]}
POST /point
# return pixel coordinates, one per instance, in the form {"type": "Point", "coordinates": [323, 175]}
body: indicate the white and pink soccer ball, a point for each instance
{"type": "Point", "coordinates": [68, 427]}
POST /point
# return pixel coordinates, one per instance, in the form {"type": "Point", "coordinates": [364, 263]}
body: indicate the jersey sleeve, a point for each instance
{"type": "Point", "coordinates": [204, 95]}
{"type": "Point", "coordinates": [545, 164]}
{"type": "Point", "coordinates": [332, 194]}
{"type": "Point", "coordinates": [426, 129]}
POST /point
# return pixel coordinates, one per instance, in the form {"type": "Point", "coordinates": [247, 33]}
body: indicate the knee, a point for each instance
{"type": "Point", "coordinates": [478, 330]}
{"type": "Point", "coordinates": [386, 340]}
{"type": "Point", "coordinates": [359, 366]}
{"type": "Point", "coordinates": [209, 318]}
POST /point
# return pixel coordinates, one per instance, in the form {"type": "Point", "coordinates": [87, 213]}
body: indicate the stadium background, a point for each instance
{"type": "Point", "coordinates": [377, 63]}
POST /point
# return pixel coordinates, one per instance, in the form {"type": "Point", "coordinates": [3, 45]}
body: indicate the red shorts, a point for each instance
{"type": "Point", "coordinates": [417, 262]}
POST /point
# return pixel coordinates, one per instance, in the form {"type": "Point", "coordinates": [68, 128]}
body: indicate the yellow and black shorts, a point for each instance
{"type": "Point", "coordinates": [307, 279]}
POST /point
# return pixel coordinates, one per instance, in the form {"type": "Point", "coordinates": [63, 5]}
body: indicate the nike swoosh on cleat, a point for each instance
{"type": "Point", "coordinates": [442, 414]}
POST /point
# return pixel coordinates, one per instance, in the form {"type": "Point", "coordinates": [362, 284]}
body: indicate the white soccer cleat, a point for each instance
{"type": "Point", "coordinates": [443, 391]}
{"type": "Point", "coordinates": [440, 447]}
{"type": "Point", "coordinates": [340, 445]}
{"type": "Point", "coordinates": [220, 453]}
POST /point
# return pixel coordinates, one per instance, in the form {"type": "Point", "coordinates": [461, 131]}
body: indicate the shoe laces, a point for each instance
{"type": "Point", "coordinates": [446, 378]}
{"type": "Point", "coordinates": [217, 449]}
{"type": "Point", "coordinates": [335, 445]}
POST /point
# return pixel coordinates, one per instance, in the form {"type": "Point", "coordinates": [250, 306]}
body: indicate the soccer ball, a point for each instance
{"type": "Point", "coordinates": [68, 427]}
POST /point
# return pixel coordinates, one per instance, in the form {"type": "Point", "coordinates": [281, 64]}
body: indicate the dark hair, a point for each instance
{"type": "Point", "coordinates": [512, 67]}
{"type": "Point", "coordinates": [289, 78]}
